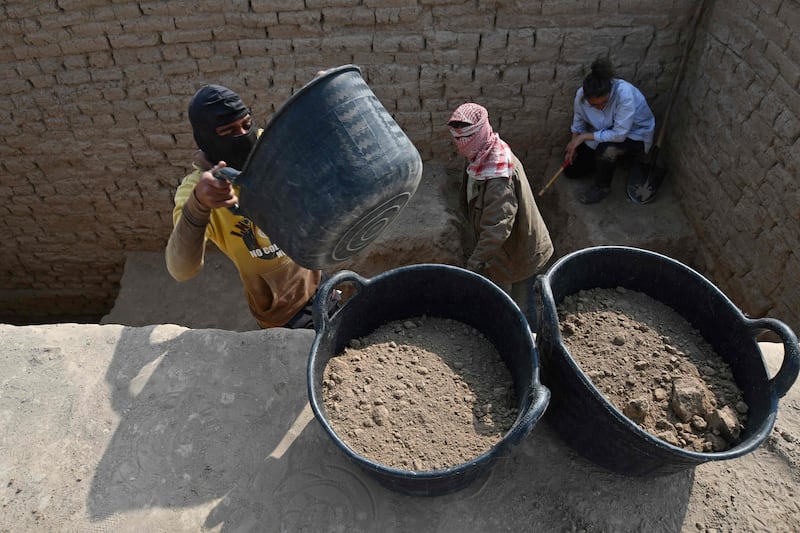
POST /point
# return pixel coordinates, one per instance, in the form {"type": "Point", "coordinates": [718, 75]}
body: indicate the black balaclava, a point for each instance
{"type": "Point", "coordinates": [214, 106]}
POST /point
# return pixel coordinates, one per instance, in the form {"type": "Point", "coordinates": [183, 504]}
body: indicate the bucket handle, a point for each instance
{"type": "Point", "coordinates": [321, 310]}
{"type": "Point", "coordinates": [229, 174]}
{"type": "Point", "coordinates": [790, 367]}
{"type": "Point", "coordinates": [540, 400]}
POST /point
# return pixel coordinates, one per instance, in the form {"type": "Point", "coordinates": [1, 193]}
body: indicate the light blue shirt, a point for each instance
{"type": "Point", "coordinates": [625, 115]}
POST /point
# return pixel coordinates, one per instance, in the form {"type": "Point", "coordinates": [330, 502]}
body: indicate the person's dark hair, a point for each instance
{"type": "Point", "coordinates": [598, 82]}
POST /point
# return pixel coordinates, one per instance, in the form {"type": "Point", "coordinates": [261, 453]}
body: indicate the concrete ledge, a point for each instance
{"type": "Point", "coordinates": [163, 428]}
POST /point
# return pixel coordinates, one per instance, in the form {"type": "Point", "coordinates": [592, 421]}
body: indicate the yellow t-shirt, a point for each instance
{"type": "Point", "coordinates": [275, 286]}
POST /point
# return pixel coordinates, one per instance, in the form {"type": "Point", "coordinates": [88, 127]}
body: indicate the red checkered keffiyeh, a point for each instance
{"type": "Point", "coordinates": [488, 154]}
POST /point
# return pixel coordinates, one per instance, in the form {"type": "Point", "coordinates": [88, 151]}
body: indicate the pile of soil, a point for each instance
{"type": "Point", "coordinates": [420, 394]}
{"type": "Point", "coordinates": [652, 365]}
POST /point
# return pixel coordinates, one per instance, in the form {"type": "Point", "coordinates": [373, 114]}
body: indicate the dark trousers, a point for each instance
{"type": "Point", "coordinates": [304, 318]}
{"type": "Point", "coordinates": [603, 160]}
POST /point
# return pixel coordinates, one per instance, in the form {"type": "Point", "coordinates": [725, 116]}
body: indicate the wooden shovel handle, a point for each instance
{"type": "Point", "coordinates": [554, 178]}
{"type": "Point", "coordinates": [676, 83]}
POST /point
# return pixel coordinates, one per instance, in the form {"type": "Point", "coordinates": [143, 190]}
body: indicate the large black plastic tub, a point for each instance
{"type": "Point", "coordinates": [589, 423]}
{"type": "Point", "coordinates": [330, 172]}
{"type": "Point", "coordinates": [437, 291]}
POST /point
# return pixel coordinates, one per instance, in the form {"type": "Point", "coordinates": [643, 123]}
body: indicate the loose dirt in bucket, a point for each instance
{"type": "Point", "coordinates": [420, 394]}
{"type": "Point", "coordinates": [652, 365]}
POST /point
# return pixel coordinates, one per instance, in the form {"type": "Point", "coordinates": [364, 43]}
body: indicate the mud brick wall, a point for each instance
{"type": "Point", "coordinates": [736, 150]}
{"type": "Point", "coordinates": [95, 136]}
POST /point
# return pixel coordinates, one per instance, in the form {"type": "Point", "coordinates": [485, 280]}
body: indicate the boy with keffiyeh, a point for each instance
{"type": "Point", "coordinates": [512, 243]}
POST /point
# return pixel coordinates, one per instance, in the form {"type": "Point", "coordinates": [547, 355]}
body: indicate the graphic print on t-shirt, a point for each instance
{"type": "Point", "coordinates": [247, 231]}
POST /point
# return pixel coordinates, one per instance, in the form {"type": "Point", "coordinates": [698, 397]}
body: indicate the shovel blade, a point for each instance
{"type": "Point", "coordinates": [644, 182]}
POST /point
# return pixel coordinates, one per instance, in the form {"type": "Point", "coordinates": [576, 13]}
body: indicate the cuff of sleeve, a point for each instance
{"type": "Point", "coordinates": [195, 213]}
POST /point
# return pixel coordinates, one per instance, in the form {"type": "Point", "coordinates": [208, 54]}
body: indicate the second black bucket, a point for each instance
{"type": "Point", "coordinates": [590, 423]}
{"type": "Point", "coordinates": [330, 172]}
{"type": "Point", "coordinates": [438, 291]}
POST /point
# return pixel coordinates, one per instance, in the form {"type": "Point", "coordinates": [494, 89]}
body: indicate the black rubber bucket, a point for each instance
{"type": "Point", "coordinates": [330, 172]}
{"type": "Point", "coordinates": [589, 423]}
{"type": "Point", "coordinates": [438, 291]}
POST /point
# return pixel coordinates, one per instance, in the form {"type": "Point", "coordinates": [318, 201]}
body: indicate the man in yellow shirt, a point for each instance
{"type": "Point", "coordinates": [279, 292]}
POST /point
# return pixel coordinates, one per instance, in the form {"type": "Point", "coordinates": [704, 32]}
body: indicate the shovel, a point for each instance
{"type": "Point", "coordinates": [646, 178]}
{"type": "Point", "coordinates": [564, 165]}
